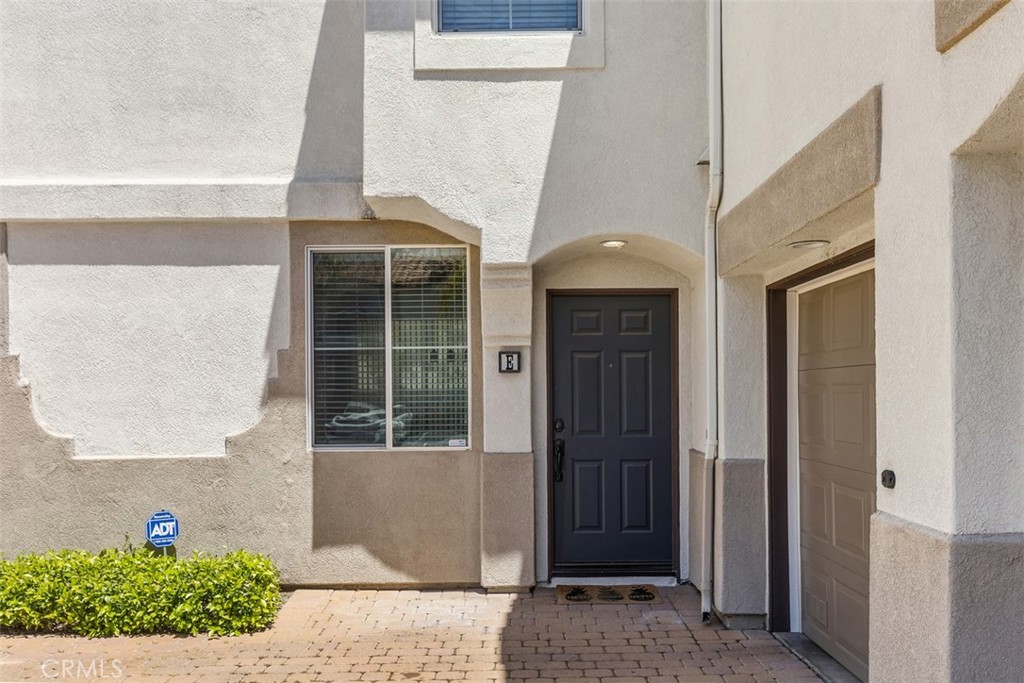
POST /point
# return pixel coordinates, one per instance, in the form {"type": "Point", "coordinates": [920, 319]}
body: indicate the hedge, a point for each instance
{"type": "Point", "coordinates": [128, 592]}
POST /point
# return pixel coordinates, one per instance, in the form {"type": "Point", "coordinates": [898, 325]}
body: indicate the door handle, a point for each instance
{"type": "Point", "coordinates": [559, 456]}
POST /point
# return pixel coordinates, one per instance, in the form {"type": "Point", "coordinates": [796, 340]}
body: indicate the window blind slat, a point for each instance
{"type": "Point", "coordinates": [509, 15]}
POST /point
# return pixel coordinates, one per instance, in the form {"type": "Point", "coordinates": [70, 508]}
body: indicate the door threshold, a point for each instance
{"type": "Point", "coordinates": [661, 581]}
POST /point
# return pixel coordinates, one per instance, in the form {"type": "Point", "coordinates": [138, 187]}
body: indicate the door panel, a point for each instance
{"type": "Point", "coordinates": [588, 496]}
{"type": "Point", "coordinates": [611, 384]}
{"type": "Point", "coordinates": [837, 464]}
{"type": "Point", "coordinates": [635, 393]}
{"type": "Point", "coordinates": [587, 393]}
{"type": "Point", "coordinates": [637, 496]}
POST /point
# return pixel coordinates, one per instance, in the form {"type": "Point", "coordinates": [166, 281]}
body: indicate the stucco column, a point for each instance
{"type": "Point", "coordinates": [947, 545]}
{"type": "Point", "coordinates": [4, 296]}
{"type": "Point", "coordinates": [739, 529]}
{"type": "Point", "coordinates": [506, 486]}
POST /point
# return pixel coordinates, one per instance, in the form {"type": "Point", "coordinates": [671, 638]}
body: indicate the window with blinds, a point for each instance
{"type": "Point", "coordinates": [509, 15]}
{"type": "Point", "coordinates": [390, 352]}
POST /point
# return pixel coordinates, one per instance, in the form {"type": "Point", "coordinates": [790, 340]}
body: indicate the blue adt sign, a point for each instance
{"type": "Point", "coordinates": [162, 529]}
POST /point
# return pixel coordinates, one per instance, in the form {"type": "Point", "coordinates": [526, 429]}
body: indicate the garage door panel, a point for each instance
{"type": "Point", "coordinates": [816, 597]}
{"type": "Point", "coordinates": [837, 416]}
{"type": "Point", "coordinates": [851, 320]}
{"type": "Point", "coordinates": [851, 621]}
{"type": "Point", "coordinates": [815, 511]}
{"type": "Point", "coordinates": [814, 430]}
{"type": "Point", "coordinates": [837, 324]}
{"type": "Point", "coordinates": [835, 610]}
{"type": "Point", "coordinates": [813, 325]}
{"type": "Point", "coordinates": [852, 508]}
{"type": "Point", "coordinates": [837, 465]}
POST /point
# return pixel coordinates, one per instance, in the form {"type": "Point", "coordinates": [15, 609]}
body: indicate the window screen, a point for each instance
{"type": "Point", "coordinates": [509, 15]}
{"type": "Point", "coordinates": [418, 295]}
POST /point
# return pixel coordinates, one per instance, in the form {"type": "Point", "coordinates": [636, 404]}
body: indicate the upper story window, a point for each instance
{"type": "Point", "coordinates": [509, 15]}
{"type": "Point", "coordinates": [389, 363]}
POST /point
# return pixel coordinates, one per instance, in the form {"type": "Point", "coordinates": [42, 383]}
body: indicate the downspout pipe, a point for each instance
{"type": "Point", "coordinates": [715, 126]}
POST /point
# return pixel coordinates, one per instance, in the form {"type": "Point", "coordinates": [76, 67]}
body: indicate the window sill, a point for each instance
{"type": "Point", "coordinates": [365, 450]}
{"type": "Point", "coordinates": [505, 51]}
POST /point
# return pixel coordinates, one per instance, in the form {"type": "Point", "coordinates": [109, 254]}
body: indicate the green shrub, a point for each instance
{"type": "Point", "coordinates": [127, 592]}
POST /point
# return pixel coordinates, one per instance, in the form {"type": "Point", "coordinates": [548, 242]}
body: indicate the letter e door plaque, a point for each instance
{"type": "Point", "coordinates": [508, 361]}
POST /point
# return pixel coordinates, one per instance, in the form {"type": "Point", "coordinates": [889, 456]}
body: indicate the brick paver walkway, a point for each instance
{"type": "Point", "coordinates": [429, 635]}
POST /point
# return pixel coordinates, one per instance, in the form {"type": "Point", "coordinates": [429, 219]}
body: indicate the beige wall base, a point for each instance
{"type": "Point", "coordinates": [506, 528]}
{"type": "Point", "coordinates": [945, 607]}
{"type": "Point", "coordinates": [741, 622]}
{"type": "Point", "coordinates": [739, 537]}
{"type": "Point", "coordinates": [326, 518]}
{"type": "Point", "coordinates": [700, 472]}
{"type": "Point", "coordinates": [740, 572]}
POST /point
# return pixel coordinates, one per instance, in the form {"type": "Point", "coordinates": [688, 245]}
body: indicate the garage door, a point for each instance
{"type": "Point", "coordinates": [837, 464]}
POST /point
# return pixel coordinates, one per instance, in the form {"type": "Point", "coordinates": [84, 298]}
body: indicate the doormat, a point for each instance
{"type": "Point", "coordinates": [644, 594]}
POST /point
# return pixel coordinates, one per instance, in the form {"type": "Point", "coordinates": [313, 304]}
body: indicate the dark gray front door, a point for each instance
{"type": "Point", "coordinates": [611, 434]}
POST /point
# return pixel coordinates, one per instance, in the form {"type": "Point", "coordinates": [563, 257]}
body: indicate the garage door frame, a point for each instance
{"type": "Point", "coordinates": [783, 571]}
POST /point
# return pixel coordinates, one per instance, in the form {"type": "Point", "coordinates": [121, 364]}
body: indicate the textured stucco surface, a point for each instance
{"type": "Point", "coordinates": [986, 575]}
{"type": "Point", "coordinates": [325, 518]}
{"type": "Point", "coordinates": [932, 105]}
{"type": "Point", "coordinates": [988, 342]}
{"type": "Point", "coordinates": [833, 54]}
{"type": "Point", "coordinates": [742, 399]}
{"type": "Point", "coordinates": [475, 51]}
{"type": "Point", "coordinates": [506, 308]}
{"type": "Point", "coordinates": [149, 110]}
{"type": "Point", "coordinates": [4, 291]}
{"type": "Point", "coordinates": [700, 471]}
{"type": "Point", "coordinates": [838, 166]}
{"type": "Point", "coordinates": [149, 339]}
{"type": "Point", "coordinates": [169, 90]}
{"type": "Point", "coordinates": [52, 199]}
{"type": "Point", "coordinates": [910, 602]}
{"type": "Point", "coordinates": [954, 19]}
{"type": "Point", "coordinates": [590, 269]}
{"type": "Point", "coordinates": [506, 526]}
{"type": "Point", "coordinates": [539, 158]}
{"type": "Point", "coordinates": [740, 545]}
{"type": "Point", "coordinates": [945, 607]}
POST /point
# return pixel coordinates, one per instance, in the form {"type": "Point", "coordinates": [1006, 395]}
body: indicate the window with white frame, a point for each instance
{"type": "Point", "coordinates": [389, 356]}
{"type": "Point", "coordinates": [509, 15]}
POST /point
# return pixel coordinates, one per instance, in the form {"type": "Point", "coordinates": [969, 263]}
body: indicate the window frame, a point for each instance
{"type": "Point", "coordinates": [581, 31]}
{"type": "Point", "coordinates": [386, 249]}
{"type": "Point", "coordinates": [551, 50]}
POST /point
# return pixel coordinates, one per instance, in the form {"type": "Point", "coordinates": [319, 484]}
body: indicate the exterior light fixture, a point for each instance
{"type": "Point", "coordinates": [809, 244]}
{"type": "Point", "coordinates": [614, 244]}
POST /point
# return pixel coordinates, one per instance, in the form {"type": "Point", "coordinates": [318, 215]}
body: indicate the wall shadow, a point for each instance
{"type": "Point", "coordinates": [332, 138]}
{"type": "Point", "coordinates": [665, 641]}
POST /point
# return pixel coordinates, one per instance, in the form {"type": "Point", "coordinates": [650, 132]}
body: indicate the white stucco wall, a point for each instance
{"type": "Point", "coordinates": [148, 339]}
{"type": "Point", "coordinates": [537, 158]}
{"type": "Point", "coordinates": [832, 54]}
{"type": "Point", "coordinates": [211, 104]}
{"type": "Point", "coordinates": [989, 341]}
